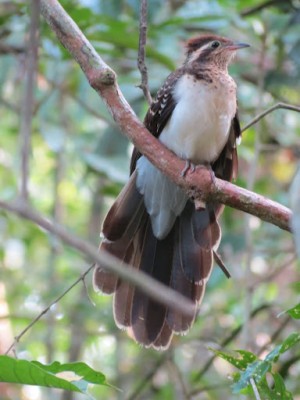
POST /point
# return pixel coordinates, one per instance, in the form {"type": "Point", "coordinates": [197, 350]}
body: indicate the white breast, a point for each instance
{"type": "Point", "coordinates": [199, 126]}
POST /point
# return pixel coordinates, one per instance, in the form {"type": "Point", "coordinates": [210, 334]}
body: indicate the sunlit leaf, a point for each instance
{"type": "Point", "coordinates": [256, 371]}
{"type": "Point", "coordinates": [239, 358]}
{"type": "Point", "coordinates": [75, 377]}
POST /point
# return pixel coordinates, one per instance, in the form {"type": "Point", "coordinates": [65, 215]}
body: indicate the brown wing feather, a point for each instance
{"type": "Point", "coordinates": [226, 166]}
{"type": "Point", "coordinates": [159, 112]}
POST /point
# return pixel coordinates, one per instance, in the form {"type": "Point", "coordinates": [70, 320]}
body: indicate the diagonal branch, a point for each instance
{"type": "Point", "coordinates": [152, 287]}
{"type": "Point", "coordinates": [103, 79]}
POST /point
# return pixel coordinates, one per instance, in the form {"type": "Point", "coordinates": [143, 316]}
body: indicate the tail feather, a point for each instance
{"type": "Point", "coordinates": [123, 298]}
{"type": "Point", "coordinates": [196, 248]}
{"type": "Point", "coordinates": [192, 262]}
{"type": "Point", "coordinates": [164, 339]}
{"type": "Point", "coordinates": [148, 316]}
{"type": "Point", "coordinates": [119, 229]}
{"type": "Point", "coordinates": [125, 209]}
{"type": "Point", "coordinates": [182, 261]}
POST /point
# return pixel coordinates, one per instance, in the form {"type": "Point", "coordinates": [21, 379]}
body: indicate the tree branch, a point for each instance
{"type": "Point", "coordinates": [103, 79]}
{"type": "Point", "coordinates": [143, 281]}
{"type": "Point", "coordinates": [28, 96]}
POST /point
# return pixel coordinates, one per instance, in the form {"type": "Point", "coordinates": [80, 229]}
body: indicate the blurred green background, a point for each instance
{"type": "Point", "coordinates": [79, 161]}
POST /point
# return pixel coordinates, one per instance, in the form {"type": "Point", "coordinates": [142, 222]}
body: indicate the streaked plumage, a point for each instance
{"type": "Point", "coordinates": [153, 225]}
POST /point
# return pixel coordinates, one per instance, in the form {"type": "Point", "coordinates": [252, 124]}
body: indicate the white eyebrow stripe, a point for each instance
{"type": "Point", "coordinates": [197, 52]}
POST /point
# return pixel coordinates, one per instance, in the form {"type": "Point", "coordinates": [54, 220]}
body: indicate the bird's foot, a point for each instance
{"type": "Point", "coordinates": [208, 167]}
{"type": "Point", "coordinates": [188, 166]}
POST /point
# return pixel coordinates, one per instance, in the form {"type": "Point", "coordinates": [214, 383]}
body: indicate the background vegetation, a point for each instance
{"type": "Point", "coordinates": [78, 163]}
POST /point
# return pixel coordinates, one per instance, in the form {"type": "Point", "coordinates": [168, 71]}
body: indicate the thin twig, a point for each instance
{"type": "Point", "coordinates": [161, 293]}
{"type": "Point", "coordinates": [177, 380]}
{"type": "Point", "coordinates": [11, 49]}
{"type": "Point", "coordinates": [269, 110]}
{"type": "Point", "coordinates": [29, 326]}
{"type": "Point", "coordinates": [210, 388]}
{"type": "Point", "coordinates": [197, 377]}
{"type": "Point", "coordinates": [63, 88]}
{"type": "Point", "coordinates": [259, 7]}
{"type": "Point", "coordinates": [255, 390]}
{"type": "Point", "coordinates": [275, 335]}
{"type": "Point", "coordinates": [218, 260]}
{"type": "Point", "coordinates": [143, 383]}
{"type": "Point", "coordinates": [87, 293]}
{"type": "Point", "coordinates": [271, 276]}
{"type": "Point", "coordinates": [141, 54]}
{"type": "Point", "coordinates": [28, 97]}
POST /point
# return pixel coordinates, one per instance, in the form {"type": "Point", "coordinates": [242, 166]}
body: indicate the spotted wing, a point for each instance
{"type": "Point", "coordinates": [159, 112]}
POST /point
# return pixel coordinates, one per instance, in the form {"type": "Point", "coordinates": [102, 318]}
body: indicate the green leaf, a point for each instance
{"type": "Point", "coordinates": [239, 358]}
{"type": "Point", "coordinates": [276, 390]}
{"type": "Point", "coordinates": [291, 340]}
{"type": "Point", "coordinates": [279, 390]}
{"type": "Point", "coordinates": [294, 312]}
{"type": "Point", "coordinates": [256, 371]}
{"type": "Point", "coordinates": [72, 376]}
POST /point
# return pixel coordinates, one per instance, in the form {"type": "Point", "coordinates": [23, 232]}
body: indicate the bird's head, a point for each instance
{"type": "Point", "coordinates": [211, 49]}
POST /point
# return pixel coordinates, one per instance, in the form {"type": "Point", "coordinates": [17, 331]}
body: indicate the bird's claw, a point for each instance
{"type": "Point", "coordinates": [188, 166]}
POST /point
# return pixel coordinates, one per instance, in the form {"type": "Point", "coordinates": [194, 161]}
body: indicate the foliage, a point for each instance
{"type": "Point", "coordinates": [79, 161]}
{"type": "Point", "coordinates": [255, 369]}
{"type": "Point", "coordinates": [72, 376]}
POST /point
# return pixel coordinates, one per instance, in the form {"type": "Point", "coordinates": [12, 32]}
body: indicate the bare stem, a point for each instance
{"type": "Point", "coordinates": [29, 326]}
{"type": "Point", "coordinates": [269, 110]}
{"type": "Point", "coordinates": [141, 54]}
{"type": "Point", "coordinates": [255, 390]}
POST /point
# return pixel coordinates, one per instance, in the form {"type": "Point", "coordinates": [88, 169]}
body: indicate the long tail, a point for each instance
{"type": "Point", "coordinates": [183, 261]}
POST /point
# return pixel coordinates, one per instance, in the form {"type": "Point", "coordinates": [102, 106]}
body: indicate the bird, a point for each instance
{"type": "Point", "coordinates": [153, 225]}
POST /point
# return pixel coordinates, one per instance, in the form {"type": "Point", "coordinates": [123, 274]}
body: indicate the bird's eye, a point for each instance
{"type": "Point", "coordinates": [215, 44]}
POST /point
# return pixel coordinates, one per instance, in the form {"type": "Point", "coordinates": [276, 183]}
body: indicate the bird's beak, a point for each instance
{"type": "Point", "coordinates": [237, 46]}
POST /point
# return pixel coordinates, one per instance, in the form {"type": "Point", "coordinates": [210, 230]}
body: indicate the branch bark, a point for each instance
{"type": "Point", "coordinates": [103, 79]}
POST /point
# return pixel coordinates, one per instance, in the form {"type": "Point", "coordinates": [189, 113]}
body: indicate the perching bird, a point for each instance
{"type": "Point", "coordinates": [153, 225]}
